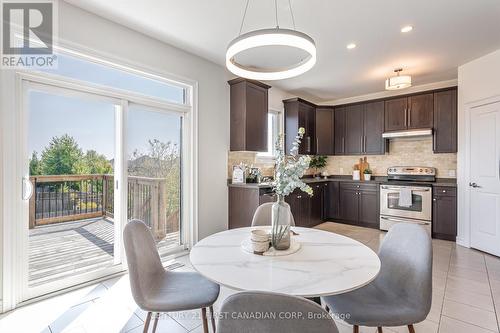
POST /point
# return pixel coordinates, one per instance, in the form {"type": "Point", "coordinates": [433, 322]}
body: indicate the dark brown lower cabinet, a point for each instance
{"type": "Point", "coordinates": [444, 213]}
{"type": "Point", "coordinates": [331, 201]}
{"type": "Point", "coordinates": [359, 204]}
{"type": "Point", "coordinates": [307, 210]}
{"type": "Point", "coordinates": [243, 202]}
{"type": "Point", "coordinates": [349, 204]}
{"type": "Point", "coordinates": [369, 208]}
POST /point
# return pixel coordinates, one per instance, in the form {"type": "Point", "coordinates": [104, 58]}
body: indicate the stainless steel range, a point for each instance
{"type": "Point", "coordinates": [406, 197]}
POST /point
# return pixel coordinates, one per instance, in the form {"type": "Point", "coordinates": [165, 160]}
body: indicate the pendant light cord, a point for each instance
{"type": "Point", "coordinates": [276, 12]}
{"type": "Point", "coordinates": [291, 13]}
{"type": "Point", "coordinates": [244, 15]}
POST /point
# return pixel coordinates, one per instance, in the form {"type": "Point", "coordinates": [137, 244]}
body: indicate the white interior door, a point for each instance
{"type": "Point", "coordinates": [484, 177]}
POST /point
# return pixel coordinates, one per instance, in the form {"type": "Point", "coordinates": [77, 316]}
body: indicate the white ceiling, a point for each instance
{"type": "Point", "coordinates": [447, 34]}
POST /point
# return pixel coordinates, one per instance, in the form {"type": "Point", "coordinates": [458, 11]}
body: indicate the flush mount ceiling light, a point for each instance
{"type": "Point", "coordinates": [398, 81]}
{"type": "Point", "coordinates": [271, 38]}
{"type": "Point", "coordinates": [407, 28]}
{"type": "Point", "coordinates": [351, 46]}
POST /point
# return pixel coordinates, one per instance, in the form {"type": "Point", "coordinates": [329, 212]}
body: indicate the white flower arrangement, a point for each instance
{"type": "Point", "coordinates": [290, 169]}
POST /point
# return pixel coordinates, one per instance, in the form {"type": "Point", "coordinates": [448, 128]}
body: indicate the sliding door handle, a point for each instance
{"type": "Point", "coordinates": [27, 189]}
{"type": "Point", "coordinates": [474, 185]}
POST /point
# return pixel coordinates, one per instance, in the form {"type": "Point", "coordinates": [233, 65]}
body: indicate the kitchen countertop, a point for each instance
{"type": "Point", "coordinates": [448, 182]}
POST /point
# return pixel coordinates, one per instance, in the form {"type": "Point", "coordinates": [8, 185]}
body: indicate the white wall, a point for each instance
{"type": "Point", "coordinates": [477, 80]}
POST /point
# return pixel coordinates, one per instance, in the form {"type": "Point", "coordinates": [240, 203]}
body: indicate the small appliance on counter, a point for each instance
{"type": "Point", "coordinates": [406, 197]}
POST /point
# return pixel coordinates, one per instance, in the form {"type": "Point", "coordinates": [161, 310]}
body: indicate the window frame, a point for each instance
{"type": "Point", "coordinates": [12, 130]}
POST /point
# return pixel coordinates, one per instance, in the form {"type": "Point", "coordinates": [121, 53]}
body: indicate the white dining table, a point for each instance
{"type": "Point", "coordinates": [326, 264]}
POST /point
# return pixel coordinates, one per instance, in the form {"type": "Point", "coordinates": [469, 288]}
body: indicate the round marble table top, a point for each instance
{"type": "Point", "coordinates": [326, 264]}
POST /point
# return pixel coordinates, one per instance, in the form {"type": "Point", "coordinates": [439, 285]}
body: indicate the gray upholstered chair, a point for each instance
{"type": "Point", "coordinates": [401, 294]}
{"type": "Point", "coordinates": [254, 311]}
{"type": "Point", "coordinates": [157, 290]}
{"type": "Point", "coordinates": [262, 215]}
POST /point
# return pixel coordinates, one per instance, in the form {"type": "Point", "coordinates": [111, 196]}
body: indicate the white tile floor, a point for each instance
{"type": "Point", "coordinates": [466, 299]}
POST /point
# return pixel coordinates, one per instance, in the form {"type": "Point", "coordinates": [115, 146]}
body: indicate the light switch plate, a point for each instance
{"type": "Point", "coordinates": [452, 173]}
{"type": "Point", "coordinates": [341, 171]}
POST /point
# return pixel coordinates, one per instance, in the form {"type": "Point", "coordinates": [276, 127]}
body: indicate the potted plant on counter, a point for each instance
{"type": "Point", "coordinates": [367, 174]}
{"type": "Point", "coordinates": [287, 177]}
{"type": "Point", "coordinates": [318, 162]}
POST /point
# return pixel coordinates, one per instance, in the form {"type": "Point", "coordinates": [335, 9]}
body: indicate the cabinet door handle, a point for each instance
{"type": "Point", "coordinates": [343, 145]}
{"type": "Point", "coordinates": [409, 116]}
{"type": "Point", "coordinates": [406, 116]}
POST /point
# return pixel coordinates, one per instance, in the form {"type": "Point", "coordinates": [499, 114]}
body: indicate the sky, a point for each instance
{"type": "Point", "coordinates": [92, 122]}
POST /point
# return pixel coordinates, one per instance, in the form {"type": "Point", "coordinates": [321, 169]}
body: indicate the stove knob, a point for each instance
{"type": "Point", "coordinates": [420, 170]}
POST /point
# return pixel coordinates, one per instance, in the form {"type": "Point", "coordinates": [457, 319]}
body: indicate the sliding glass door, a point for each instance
{"type": "Point", "coordinates": [73, 229]}
{"type": "Point", "coordinates": [154, 158]}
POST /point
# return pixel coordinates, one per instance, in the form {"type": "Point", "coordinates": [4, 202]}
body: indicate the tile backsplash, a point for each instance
{"type": "Point", "coordinates": [402, 152]}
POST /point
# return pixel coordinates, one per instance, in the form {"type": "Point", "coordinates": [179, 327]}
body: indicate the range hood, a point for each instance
{"type": "Point", "coordinates": [407, 133]}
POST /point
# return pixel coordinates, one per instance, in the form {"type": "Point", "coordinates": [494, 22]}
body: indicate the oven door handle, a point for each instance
{"type": "Point", "coordinates": [411, 188]}
{"type": "Point", "coordinates": [404, 221]}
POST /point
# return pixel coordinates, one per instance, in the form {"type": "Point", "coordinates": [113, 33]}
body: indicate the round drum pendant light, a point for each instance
{"type": "Point", "coordinates": [270, 38]}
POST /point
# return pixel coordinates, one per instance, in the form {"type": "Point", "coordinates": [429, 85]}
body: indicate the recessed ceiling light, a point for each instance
{"type": "Point", "coordinates": [351, 46]}
{"type": "Point", "coordinates": [407, 28]}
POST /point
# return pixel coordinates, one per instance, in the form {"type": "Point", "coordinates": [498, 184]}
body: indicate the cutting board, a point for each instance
{"type": "Point", "coordinates": [362, 166]}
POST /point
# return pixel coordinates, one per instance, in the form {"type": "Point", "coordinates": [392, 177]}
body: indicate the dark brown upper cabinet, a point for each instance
{"type": "Point", "coordinates": [324, 131]}
{"type": "Point", "coordinates": [420, 110]}
{"type": "Point", "coordinates": [359, 128]}
{"type": "Point", "coordinates": [339, 130]}
{"type": "Point", "coordinates": [445, 121]}
{"type": "Point", "coordinates": [373, 124]}
{"type": "Point", "coordinates": [354, 130]}
{"type": "Point", "coordinates": [395, 114]}
{"type": "Point", "coordinates": [249, 109]}
{"type": "Point", "coordinates": [411, 112]}
{"type": "Point", "coordinates": [300, 113]}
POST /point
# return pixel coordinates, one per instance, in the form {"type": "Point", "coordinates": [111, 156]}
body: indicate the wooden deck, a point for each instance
{"type": "Point", "coordinates": [67, 249]}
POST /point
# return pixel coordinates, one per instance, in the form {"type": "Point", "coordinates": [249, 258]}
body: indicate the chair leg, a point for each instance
{"type": "Point", "coordinates": [212, 317]}
{"type": "Point", "coordinates": [411, 329]}
{"type": "Point", "coordinates": [146, 322]}
{"type": "Point", "coordinates": [157, 315]}
{"type": "Point", "coordinates": [355, 329]}
{"type": "Point", "coordinates": [204, 320]}
{"type": "Point", "coordinates": [379, 329]}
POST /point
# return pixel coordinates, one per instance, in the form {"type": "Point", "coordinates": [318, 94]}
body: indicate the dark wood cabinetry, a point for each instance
{"type": "Point", "coordinates": [445, 121]}
{"type": "Point", "coordinates": [339, 130]}
{"type": "Point", "coordinates": [420, 110]}
{"type": "Point", "coordinates": [243, 202]}
{"type": "Point", "coordinates": [308, 210]}
{"type": "Point", "coordinates": [395, 114]}
{"type": "Point", "coordinates": [331, 203]}
{"type": "Point", "coordinates": [444, 213]}
{"type": "Point", "coordinates": [324, 131]}
{"type": "Point", "coordinates": [373, 128]}
{"type": "Point", "coordinates": [300, 113]}
{"type": "Point", "coordinates": [248, 115]}
{"type": "Point", "coordinates": [354, 130]}
{"type": "Point", "coordinates": [360, 129]}
{"type": "Point", "coordinates": [412, 112]}
{"type": "Point", "coordinates": [359, 204]}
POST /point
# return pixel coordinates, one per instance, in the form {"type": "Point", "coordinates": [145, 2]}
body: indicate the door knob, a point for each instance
{"type": "Point", "coordinates": [474, 185]}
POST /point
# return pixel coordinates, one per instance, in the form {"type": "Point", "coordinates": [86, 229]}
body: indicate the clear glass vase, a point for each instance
{"type": "Point", "coordinates": [280, 227]}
